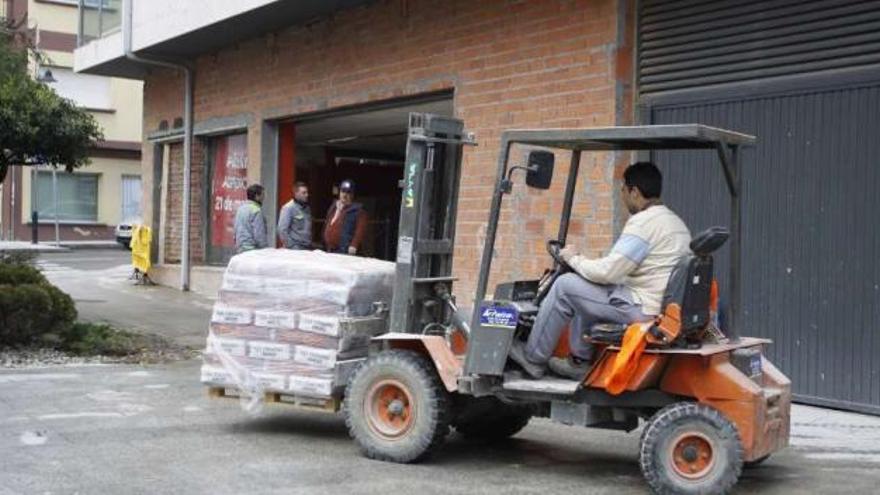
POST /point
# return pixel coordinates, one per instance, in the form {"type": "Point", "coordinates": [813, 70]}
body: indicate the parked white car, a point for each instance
{"type": "Point", "coordinates": [123, 232]}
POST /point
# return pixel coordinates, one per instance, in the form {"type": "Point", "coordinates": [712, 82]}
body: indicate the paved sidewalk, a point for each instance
{"type": "Point", "coordinates": [99, 282]}
{"type": "Point", "coordinates": [827, 434]}
{"type": "Point", "coordinates": [27, 246]}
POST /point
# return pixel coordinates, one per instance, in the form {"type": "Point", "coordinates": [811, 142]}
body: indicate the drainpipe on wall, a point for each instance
{"type": "Point", "coordinates": [187, 132]}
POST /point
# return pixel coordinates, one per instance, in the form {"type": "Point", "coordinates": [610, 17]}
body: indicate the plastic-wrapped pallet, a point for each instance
{"type": "Point", "coordinates": [283, 319]}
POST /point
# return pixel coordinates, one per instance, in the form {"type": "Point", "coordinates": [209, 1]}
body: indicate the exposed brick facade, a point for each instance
{"type": "Point", "coordinates": [174, 215]}
{"type": "Point", "coordinates": [511, 64]}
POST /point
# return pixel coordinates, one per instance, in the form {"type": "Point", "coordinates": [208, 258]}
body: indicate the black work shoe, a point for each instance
{"type": "Point", "coordinates": [518, 355]}
{"type": "Point", "coordinates": [570, 367]}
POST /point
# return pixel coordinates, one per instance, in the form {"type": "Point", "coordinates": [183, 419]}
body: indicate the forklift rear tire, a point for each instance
{"type": "Point", "coordinates": [494, 420]}
{"type": "Point", "coordinates": [396, 407]}
{"type": "Point", "coordinates": [690, 448]}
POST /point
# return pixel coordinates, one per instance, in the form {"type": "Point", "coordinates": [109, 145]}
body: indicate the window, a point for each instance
{"type": "Point", "coordinates": [86, 3]}
{"type": "Point", "coordinates": [86, 90]}
{"type": "Point", "coordinates": [131, 198]}
{"type": "Point", "coordinates": [77, 197]}
{"type": "Point", "coordinates": [99, 18]}
{"type": "Point", "coordinates": [228, 175]}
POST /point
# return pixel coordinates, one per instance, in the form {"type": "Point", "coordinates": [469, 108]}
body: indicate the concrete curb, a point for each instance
{"type": "Point", "coordinates": [27, 246]}
{"type": "Point", "coordinates": [50, 247]}
{"type": "Point", "coordinates": [77, 245]}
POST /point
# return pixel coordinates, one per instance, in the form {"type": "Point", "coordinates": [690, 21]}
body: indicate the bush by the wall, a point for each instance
{"type": "Point", "coordinates": [18, 257]}
{"type": "Point", "coordinates": [19, 274]}
{"type": "Point", "coordinates": [31, 309]}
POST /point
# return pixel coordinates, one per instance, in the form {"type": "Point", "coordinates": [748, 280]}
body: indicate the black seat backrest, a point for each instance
{"type": "Point", "coordinates": [707, 241]}
{"type": "Point", "coordinates": [690, 285]}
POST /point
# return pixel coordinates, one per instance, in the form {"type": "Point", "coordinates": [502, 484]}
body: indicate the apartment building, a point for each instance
{"type": "Point", "coordinates": [93, 200]}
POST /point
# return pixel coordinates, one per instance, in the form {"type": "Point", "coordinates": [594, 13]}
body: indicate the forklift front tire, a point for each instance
{"type": "Point", "coordinates": [690, 448]}
{"type": "Point", "coordinates": [396, 407]}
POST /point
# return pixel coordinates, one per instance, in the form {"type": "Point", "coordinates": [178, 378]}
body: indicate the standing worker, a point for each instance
{"type": "Point", "coordinates": [346, 222]}
{"type": "Point", "coordinates": [250, 224]}
{"type": "Point", "coordinates": [295, 220]}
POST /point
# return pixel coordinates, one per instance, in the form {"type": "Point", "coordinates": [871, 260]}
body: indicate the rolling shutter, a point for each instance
{"type": "Point", "coordinates": [696, 43]}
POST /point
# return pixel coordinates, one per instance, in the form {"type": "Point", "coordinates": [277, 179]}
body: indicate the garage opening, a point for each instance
{"type": "Point", "coordinates": [365, 145]}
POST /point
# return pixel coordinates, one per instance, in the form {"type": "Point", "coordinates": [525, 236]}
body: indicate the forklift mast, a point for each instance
{"type": "Point", "coordinates": [423, 278]}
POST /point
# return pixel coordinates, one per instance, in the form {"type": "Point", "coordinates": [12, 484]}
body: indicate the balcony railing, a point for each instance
{"type": "Point", "coordinates": [98, 18]}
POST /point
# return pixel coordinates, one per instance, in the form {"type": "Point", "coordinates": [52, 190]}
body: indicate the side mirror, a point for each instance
{"type": "Point", "coordinates": [540, 169]}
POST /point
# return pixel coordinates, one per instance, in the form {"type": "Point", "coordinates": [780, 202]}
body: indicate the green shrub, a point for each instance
{"type": "Point", "coordinates": [31, 309]}
{"type": "Point", "coordinates": [18, 257]}
{"type": "Point", "coordinates": [89, 339]}
{"type": "Point", "coordinates": [18, 274]}
{"type": "Point", "coordinates": [25, 313]}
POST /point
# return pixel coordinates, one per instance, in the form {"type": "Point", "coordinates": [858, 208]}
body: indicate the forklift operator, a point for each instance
{"type": "Point", "coordinates": [625, 286]}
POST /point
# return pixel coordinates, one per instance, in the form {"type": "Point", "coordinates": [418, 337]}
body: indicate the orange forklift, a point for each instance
{"type": "Point", "coordinates": [711, 403]}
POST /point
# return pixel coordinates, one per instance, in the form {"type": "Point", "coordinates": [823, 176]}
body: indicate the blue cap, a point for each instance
{"type": "Point", "coordinates": [346, 186]}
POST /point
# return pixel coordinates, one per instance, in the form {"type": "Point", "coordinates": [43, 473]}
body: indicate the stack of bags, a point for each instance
{"type": "Point", "coordinates": [279, 322]}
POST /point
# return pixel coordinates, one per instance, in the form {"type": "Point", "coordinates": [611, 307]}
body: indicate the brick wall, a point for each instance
{"type": "Point", "coordinates": [174, 215]}
{"type": "Point", "coordinates": [551, 63]}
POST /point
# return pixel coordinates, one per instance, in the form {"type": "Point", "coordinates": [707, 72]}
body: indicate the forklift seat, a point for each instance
{"type": "Point", "coordinates": [689, 288]}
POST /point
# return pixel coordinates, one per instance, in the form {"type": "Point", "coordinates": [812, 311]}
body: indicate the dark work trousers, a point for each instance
{"type": "Point", "coordinates": [575, 300]}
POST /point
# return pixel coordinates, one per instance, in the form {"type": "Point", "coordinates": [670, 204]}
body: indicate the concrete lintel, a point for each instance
{"type": "Point", "coordinates": [223, 125]}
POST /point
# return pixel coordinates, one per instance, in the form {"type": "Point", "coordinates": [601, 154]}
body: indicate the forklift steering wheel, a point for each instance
{"type": "Point", "coordinates": [554, 247]}
{"type": "Point", "coordinates": [559, 267]}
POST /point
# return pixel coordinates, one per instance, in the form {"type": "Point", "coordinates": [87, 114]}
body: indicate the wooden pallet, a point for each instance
{"type": "Point", "coordinates": [307, 403]}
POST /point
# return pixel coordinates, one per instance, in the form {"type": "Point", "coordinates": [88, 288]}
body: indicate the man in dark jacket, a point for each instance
{"type": "Point", "coordinates": [295, 220]}
{"type": "Point", "coordinates": [346, 222]}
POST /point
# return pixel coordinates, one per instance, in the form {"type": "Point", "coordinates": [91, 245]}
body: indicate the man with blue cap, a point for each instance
{"type": "Point", "coordinates": [346, 222]}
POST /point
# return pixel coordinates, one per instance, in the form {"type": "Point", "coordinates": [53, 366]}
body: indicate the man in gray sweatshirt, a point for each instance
{"type": "Point", "coordinates": [250, 224]}
{"type": "Point", "coordinates": [295, 220]}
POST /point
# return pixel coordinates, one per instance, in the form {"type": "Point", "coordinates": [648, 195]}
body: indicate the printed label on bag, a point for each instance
{"type": "Point", "coordinates": [275, 319]}
{"type": "Point", "coordinates": [269, 381]}
{"type": "Point", "coordinates": [242, 283]}
{"type": "Point", "coordinates": [230, 314]}
{"type": "Point", "coordinates": [231, 347]}
{"type": "Point", "coordinates": [269, 350]}
{"type": "Point", "coordinates": [286, 288]}
{"type": "Point", "coordinates": [320, 358]}
{"type": "Point", "coordinates": [307, 385]}
{"type": "Point", "coordinates": [213, 374]}
{"type": "Point", "coordinates": [321, 324]}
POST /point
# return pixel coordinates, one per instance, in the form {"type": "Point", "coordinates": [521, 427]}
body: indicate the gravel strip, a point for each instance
{"type": "Point", "coordinates": [42, 358]}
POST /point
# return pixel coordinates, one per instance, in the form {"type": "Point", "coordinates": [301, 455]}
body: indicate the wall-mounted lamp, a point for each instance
{"type": "Point", "coordinates": [44, 75]}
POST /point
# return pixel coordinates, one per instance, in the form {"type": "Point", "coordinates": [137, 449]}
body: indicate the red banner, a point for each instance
{"type": "Point", "coordinates": [228, 187]}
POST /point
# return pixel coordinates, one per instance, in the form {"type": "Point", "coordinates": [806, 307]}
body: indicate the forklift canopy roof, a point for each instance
{"type": "Point", "coordinates": [643, 137]}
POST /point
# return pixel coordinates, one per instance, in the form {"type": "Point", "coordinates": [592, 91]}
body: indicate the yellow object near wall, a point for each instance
{"type": "Point", "coordinates": [141, 240]}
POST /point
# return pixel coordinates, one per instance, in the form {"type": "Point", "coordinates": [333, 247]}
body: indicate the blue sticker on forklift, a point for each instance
{"type": "Point", "coordinates": [496, 316]}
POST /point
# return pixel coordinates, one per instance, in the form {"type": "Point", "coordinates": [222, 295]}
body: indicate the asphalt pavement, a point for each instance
{"type": "Point", "coordinates": [152, 429]}
{"type": "Point", "coordinates": [128, 429]}
{"type": "Point", "coordinates": [99, 280]}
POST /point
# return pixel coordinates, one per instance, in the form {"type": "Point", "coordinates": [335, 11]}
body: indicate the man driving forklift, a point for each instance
{"type": "Point", "coordinates": [626, 286]}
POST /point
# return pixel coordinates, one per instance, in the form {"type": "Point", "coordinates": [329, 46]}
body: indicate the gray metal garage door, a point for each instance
{"type": "Point", "coordinates": [812, 185]}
